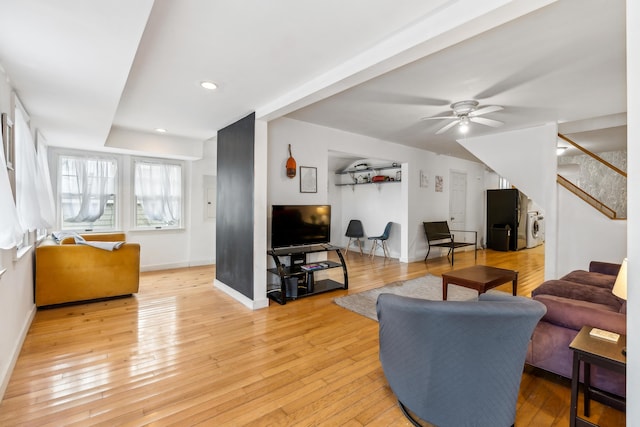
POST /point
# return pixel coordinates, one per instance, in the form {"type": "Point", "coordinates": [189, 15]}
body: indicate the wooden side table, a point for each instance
{"type": "Point", "coordinates": [606, 354]}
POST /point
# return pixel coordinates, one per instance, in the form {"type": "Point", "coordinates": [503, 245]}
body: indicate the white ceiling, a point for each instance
{"type": "Point", "coordinates": [85, 69]}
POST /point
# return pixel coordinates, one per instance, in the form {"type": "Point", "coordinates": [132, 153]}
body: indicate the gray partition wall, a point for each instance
{"type": "Point", "coordinates": [234, 208]}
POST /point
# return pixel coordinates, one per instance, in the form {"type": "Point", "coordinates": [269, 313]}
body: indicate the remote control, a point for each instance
{"type": "Point", "coordinates": [605, 335]}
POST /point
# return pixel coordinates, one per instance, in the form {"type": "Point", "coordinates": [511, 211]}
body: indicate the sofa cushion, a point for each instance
{"type": "Point", "coordinates": [604, 267]}
{"type": "Point", "coordinates": [590, 278]}
{"type": "Point", "coordinates": [574, 314]}
{"type": "Point", "coordinates": [579, 291]}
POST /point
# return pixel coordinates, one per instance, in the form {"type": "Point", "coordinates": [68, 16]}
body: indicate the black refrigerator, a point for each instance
{"type": "Point", "coordinates": [506, 219]}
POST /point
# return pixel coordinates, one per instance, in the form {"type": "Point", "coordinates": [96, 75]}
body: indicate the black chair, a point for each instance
{"type": "Point", "coordinates": [354, 232]}
{"type": "Point", "coordinates": [456, 363]}
{"type": "Point", "coordinates": [439, 235]}
{"type": "Point", "coordinates": [381, 241]}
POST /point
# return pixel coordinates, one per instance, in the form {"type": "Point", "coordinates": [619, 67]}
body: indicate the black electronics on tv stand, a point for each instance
{"type": "Point", "coordinates": [300, 270]}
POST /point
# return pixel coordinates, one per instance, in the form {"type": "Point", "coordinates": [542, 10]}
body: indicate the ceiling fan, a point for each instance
{"type": "Point", "coordinates": [465, 112]}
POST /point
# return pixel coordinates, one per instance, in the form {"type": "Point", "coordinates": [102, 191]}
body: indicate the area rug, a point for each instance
{"type": "Point", "coordinates": [425, 287]}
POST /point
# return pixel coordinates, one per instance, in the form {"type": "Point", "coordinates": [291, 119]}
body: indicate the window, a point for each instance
{"type": "Point", "coordinates": [12, 232]}
{"type": "Point", "coordinates": [158, 194]}
{"type": "Point", "coordinates": [87, 192]}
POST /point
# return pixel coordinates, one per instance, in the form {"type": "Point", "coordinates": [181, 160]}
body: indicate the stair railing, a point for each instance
{"type": "Point", "coordinates": [601, 207]}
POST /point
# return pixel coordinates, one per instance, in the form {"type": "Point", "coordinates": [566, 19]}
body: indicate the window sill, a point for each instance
{"type": "Point", "coordinates": [21, 252]}
{"type": "Point", "coordinates": [161, 229]}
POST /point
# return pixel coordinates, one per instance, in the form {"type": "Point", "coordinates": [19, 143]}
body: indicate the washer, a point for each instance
{"type": "Point", "coordinates": [535, 229]}
{"type": "Point", "coordinates": [541, 228]}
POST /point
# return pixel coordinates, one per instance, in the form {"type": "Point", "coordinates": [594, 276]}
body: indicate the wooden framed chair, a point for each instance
{"type": "Point", "coordinates": [381, 241]}
{"type": "Point", "coordinates": [439, 235]}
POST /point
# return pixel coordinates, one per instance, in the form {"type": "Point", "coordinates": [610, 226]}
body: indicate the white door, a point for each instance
{"type": "Point", "coordinates": [458, 202]}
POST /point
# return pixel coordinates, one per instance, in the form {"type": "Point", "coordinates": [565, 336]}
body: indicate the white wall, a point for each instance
{"type": "Point", "coordinates": [202, 230]}
{"type": "Point", "coordinates": [16, 287]}
{"type": "Point", "coordinates": [406, 204]}
{"type": "Point", "coordinates": [584, 234]}
{"type": "Point", "coordinates": [633, 209]}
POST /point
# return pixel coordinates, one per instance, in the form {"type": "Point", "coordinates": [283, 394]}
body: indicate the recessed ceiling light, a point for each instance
{"type": "Point", "coordinates": [161, 130]}
{"type": "Point", "coordinates": [208, 85]}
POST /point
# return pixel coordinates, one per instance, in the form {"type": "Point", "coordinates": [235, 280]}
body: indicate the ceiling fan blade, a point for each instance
{"type": "Point", "coordinates": [486, 122]}
{"type": "Point", "coordinates": [485, 110]}
{"type": "Point", "coordinates": [447, 127]}
{"type": "Point", "coordinates": [439, 117]}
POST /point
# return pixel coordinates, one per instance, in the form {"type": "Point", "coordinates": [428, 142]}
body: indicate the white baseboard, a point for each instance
{"type": "Point", "coordinates": [200, 263]}
{"type": "Point", "coordinates": [6, 376]}
{"type": "Point", "coordinates": [170, 266]}
{"type": "Point", "coordinates": [249, 303]}
{"type": "Point", "coordinates": [157, 267]}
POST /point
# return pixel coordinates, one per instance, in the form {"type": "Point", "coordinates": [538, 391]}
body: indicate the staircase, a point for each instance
{"type": "Point", "coordinates": [594, 180]}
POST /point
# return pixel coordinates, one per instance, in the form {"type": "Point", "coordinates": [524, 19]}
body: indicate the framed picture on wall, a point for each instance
{"type": "Point", "coordinates": [308, 179]}
{"type": "Point", "coordinates": [439, 183]}
{"type": "Point", "coordinates": [8, 141]}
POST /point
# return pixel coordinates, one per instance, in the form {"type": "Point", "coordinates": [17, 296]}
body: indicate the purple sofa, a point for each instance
{"type": "Point", "coordinates": [581, 298]}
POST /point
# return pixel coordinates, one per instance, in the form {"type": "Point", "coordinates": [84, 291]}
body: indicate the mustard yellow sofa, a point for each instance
{"type": "Point", "coordinates": [68, 272]}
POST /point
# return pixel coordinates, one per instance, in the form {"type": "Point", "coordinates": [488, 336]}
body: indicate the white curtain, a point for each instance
{"type": "Point", "coordinates": [27, 201]}
{"type": "Point", "coordinates": [158, 188]}
{"type": "Point", "coordinates": [89, 184]}
{"type": "Point", "coordinates": [45, 191]}
{"type": "Point", "coordinates": [10, 230]}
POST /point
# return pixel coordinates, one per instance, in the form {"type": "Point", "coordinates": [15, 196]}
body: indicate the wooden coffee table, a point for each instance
{"type": "Point", "coordinates": [479, 277]}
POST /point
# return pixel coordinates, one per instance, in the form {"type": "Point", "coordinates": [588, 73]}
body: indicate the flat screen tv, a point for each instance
{"type": "Point", "coordinates": [296, 225]}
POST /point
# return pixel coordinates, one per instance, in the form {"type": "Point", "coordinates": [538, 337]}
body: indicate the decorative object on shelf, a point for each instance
{"type": "Point", "coordinates": [308, 179]}
{"type": "Point", "coordinates": [361, 166]}
{"type": "Point", "coordinates": [291, 165]}
{"type": "Point", "coordinates": [439, 183]}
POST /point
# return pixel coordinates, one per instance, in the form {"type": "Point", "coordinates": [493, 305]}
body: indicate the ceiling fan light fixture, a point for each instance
{"type": "Point", "coordinates": [465, 112]}
{"type": "Point", "coordinates": [464, 107]}
{"type": "Point", "coordinates": [463, 125]}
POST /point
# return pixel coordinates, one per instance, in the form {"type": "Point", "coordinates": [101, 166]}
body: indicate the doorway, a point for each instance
{"type": "Point", "coordinates": [458, 200]}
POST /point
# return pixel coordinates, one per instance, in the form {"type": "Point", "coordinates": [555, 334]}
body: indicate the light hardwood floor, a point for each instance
{"type": "Point", "coordinates": [183, 353]}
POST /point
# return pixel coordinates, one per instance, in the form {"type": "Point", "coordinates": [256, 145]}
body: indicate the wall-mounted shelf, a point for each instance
{"type": "Point", "coordinates": [368, 183]}
{"type": "Point", "coordinates": [367, 169]}
{"type": "Point", "coordinates": [365, 172]}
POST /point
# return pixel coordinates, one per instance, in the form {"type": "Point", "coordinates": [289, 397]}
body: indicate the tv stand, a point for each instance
{"type": "Point", "coordinates": [297, 279]}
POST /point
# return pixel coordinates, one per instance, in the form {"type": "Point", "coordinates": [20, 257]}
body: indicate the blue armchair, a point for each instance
{"type": "Point", "coordinates": [456, 363]}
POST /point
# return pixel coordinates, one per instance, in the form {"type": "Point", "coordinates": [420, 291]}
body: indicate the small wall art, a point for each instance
{"type": "Point", "coordinates": [424, 179]}
{"type": "Point", "coordinates": [308, 179]}
{"type": "Point", "coordinates": [439, 183]}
